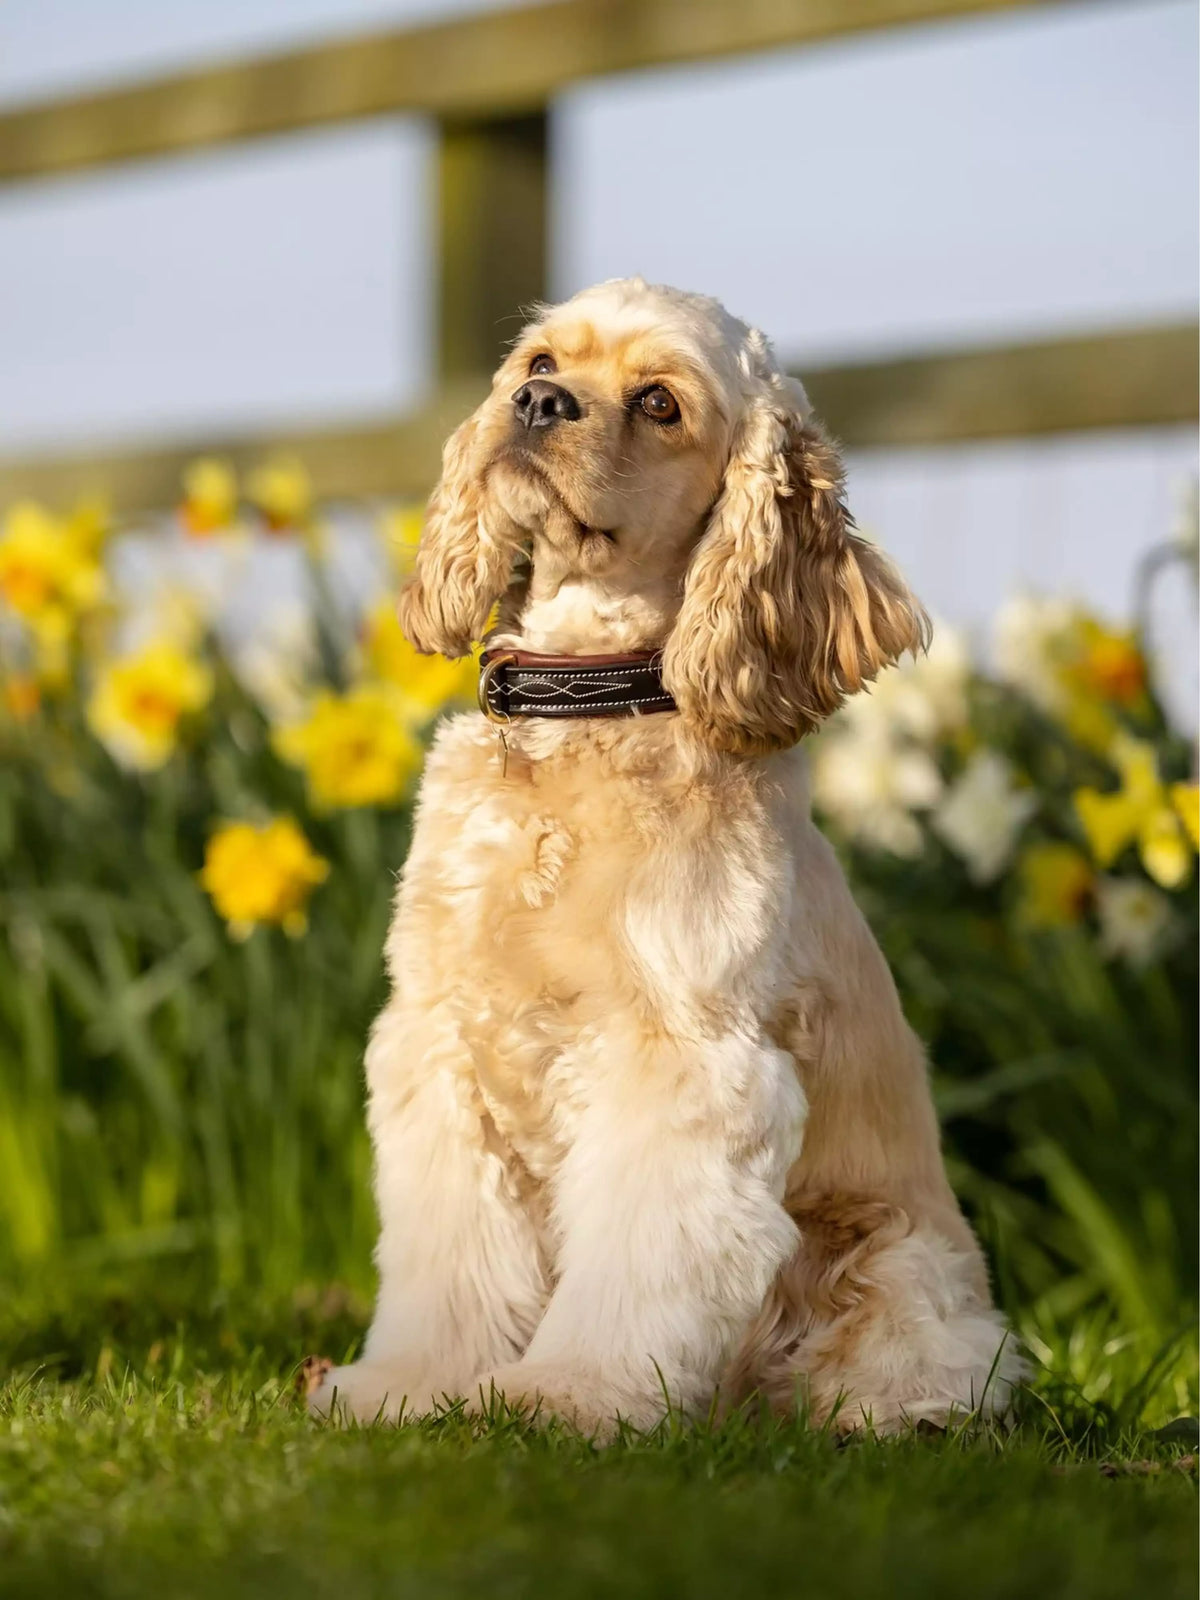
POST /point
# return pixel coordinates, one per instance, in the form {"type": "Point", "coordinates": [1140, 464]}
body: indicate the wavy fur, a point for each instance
{"type": "Point", "coordinates": [649, 1124]}
{"type": "Point", "coordinates": [786, 611]}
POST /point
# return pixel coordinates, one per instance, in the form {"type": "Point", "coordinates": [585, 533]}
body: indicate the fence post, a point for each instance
{"type": "Point", "coordinates": [491, 236]}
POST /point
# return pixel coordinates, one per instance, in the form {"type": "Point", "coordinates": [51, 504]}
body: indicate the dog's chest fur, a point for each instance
{"type": "Point", "coordinates": [595, 882]}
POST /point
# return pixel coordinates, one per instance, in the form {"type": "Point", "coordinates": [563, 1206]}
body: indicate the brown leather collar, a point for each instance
{"type": "Point", "coordinates": [523, 683]}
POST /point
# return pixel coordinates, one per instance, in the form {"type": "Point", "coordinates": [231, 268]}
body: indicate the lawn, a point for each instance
{"type": "Point", "coordinates": [152, 1444]}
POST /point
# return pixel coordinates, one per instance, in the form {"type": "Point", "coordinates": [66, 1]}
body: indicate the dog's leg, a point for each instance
{"type": "Point", "coordinates": [884, 1313]}
{"type": "Point", "coordinates": [461, 1278]}
{"type": "Point", "coordinates": [879, 1321]}
{"type": "Point", "coordinates": [668, 1207]}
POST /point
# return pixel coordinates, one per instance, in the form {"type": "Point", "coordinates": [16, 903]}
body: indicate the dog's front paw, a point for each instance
{"type": "Point", "coordinates": [370, 1392]}
{"type": "Point", "coordinates": [590, 1402]}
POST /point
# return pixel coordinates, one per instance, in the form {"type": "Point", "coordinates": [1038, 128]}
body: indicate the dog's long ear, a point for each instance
{"type": "Point", "coordinates": [785, 610]}
{"type": "Point", "coordinates": [463, 563]}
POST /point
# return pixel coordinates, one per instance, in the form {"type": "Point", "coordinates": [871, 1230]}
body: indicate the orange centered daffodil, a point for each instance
{"type": "Point", "coordinates": [210, 497]}
{"type": "Point", "coordinates": [22, 696]}
{"type": "Point", "coordinates": [281, 491]}
{"type": "Point", "coordinates": [1107, 662]}
{"type": "Point", "coordinates": [356, 748]}
{"type": "Point", "coordinates": [48, 572]}
{"type": "Point", "coordinates": [140, 700]}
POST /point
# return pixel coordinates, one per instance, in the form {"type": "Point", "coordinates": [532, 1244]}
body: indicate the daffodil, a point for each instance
{"type": "Point", "coordinates": [47, 576]}
{"type": "Point", "coordinates": [982, 813]}
{"type": "Point", "coordinates": [1141, 810]}
{"type": "Point", "coordinates": [140, 700]}
{"type": "Point", "coordinates": [1029, 646]}
{"type": "Point", "coordinates": [1106, 662]}
{"type": "Point", "coordinates": [1103, 669]}
{"type": "Point", "coordinates": [210, 497]}
{"type": "Point", "coordinates": [401, 528]}
{"type": "Point", "coordinates": [424, 685]}
{"type": "Point", "coordinates": [89, 524]}
{"type": "Point", "coordinates": [281, 490]}
{"type": "Point", "coordinates": [356, 749]}
{"type": "Point", "coordinates": [1071, 665]}
{"type": "Point", "coordinates": [276, 660]}
{"type": "Point", "coordinates": [923, 697]}
{"type": "Point", "coordinates": [22, 696]}
{"type": "Point", "coordinates": [871, 785]}
{"type": "Point", "coordinates": [1133, 919]}
{"type": "Point", "coordinates": [262, 874]}
{"type": "Point", "coordinates": [1185, 797]}
{"type": "Point", "coordinates": [1057, 883]}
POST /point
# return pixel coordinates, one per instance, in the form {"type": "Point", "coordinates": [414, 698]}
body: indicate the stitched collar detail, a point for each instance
{"type": "Point", "coordinates": [521, 683]}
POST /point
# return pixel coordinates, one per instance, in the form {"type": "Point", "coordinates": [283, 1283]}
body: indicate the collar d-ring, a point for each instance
{"type": "Point", "coordinates": [485, 683]}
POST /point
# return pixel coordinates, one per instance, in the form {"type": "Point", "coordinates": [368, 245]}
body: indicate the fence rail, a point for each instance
{"type": "Point", "coordinates": [1143, 377]}
{"type": "Point", "coordinates": [494, 64]}
{"type": "Point", "coordinates": [488, 79]}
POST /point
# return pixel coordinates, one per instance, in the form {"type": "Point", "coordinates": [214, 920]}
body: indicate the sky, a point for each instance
{"type": "Point", "coordinates": [992, 178]}
{"type": "Point", "coordinates": [922, 188]}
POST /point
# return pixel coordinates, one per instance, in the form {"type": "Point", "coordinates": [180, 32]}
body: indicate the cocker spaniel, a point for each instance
{"type": "Point", "coordinates": [650, 1128]}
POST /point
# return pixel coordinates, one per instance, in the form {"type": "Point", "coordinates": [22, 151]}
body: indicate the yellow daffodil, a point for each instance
{"type": "Point", "coordinates": [140, 700]}
{"type": "Point", "coordinates": [355, 749]}
{"type": "Point", "coordinates": [281, 490]}
{"type": "Point", "coordinates": [22, 696]}
{"type": "Point", "coordinates": [89, 524]}
{"type": "Point", "coordinates": [52, 632]}
{"type": "Point", "coordinates": [1072, 665]}
{"type": "Point", "coordinates": [262, 874]}
{"type": "Point", "coordinates": [1057, 882]}
{"type": "Point", "coordinates": [401, 529]}
{"type": "Point", "coordinates": [1141, 810]}
{"type": "Point", "coordinates": [46, 575]}
{"type": "Point", "coordinates": [210, 497]}
{"type": "Point", "coordinates": [1107, 662]}
{"type": "Point", "coordinates": [424, 685]}
{"type": "Point", "coordinates": [1102, 668]}
{"type": "Point", "coordinates": [1185, 797]}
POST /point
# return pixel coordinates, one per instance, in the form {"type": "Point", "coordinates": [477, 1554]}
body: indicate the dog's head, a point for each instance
{"type": "Point", "coordinates": [644, 447]}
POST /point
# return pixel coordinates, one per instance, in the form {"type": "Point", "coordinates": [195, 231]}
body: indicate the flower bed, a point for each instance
{"type": "Point", "coordinates": [211, 732]}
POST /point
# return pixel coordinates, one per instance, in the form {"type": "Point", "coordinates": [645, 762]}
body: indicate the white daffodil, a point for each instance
{"type": "Point", "coordinates": [1029, 639]}
{"type": "Point", "coordinates": [982, 813]}
{"type": "Point", "coordinates": [924, 697]}
{"type": "Point", "coordinates": [870, 785]}
{"type": "Point", "coordinates": [275, 665]}
{"type": "Point", "coordinates": [1133, 919]}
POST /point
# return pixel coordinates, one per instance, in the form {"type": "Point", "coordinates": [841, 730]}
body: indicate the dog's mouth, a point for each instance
{"type": "Point", "coordinates": [568, 520]}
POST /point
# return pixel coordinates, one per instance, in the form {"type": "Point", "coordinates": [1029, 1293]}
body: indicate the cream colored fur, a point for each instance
{"type": "Point", "coordinates": [649, 1125]}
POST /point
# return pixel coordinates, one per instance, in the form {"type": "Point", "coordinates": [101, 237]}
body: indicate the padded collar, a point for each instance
{"type": "Point", "coordinates": [522, 683]}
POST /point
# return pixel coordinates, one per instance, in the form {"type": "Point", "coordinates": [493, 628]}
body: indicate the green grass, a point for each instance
{"type": "Point", "coordinates": [150, 1443]}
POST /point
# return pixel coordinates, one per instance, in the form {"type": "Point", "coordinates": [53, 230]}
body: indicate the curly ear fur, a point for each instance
{"type": "Point", "coordinates": [463, 565]}
{"type": "Point", "coordinates": [785, 611]}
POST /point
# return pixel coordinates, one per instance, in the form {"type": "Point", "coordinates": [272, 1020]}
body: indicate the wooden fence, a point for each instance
{"type": "Point", "coordinates": [488, 80]}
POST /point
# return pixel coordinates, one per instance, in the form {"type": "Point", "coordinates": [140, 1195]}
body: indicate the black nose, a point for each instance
{"type": "Point", "coordinates": [538, 403]}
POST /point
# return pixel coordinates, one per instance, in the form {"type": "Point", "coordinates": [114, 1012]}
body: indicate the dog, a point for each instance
{"type": "Point", "coordinates": [650, 1130]}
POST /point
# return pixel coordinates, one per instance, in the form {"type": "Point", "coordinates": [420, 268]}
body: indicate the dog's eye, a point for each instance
{"type": "Point", "coordinates": [660, 404]}
{"type": "Point", "coordinates": [542, 363]}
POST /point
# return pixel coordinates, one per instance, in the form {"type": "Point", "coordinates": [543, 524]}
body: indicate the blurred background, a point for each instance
{"type": "Point", "coordinates": [256, 257]}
